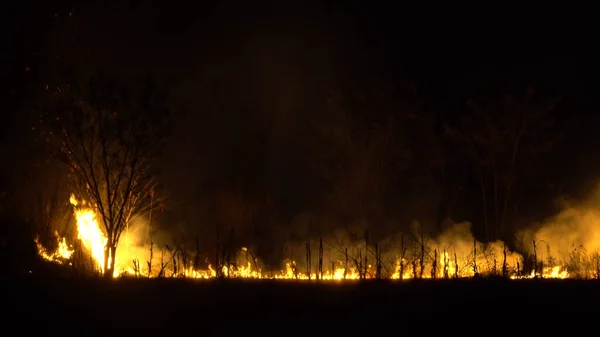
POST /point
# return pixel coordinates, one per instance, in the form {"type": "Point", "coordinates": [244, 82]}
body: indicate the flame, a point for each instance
{"type": "Point", "coordinates": [556, 272]}
{"type": "Point", "coordinates": [93, 239]}
{"type": "Point", "coordinates": [90, 234]}
{"type": "Point", "coordinates": [62, 253]}
{"type": "Point", "coordinates": [454, 261]}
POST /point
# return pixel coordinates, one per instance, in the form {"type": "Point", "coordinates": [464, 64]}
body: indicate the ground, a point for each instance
{"type": "Point", "coordinates": [73, 306]}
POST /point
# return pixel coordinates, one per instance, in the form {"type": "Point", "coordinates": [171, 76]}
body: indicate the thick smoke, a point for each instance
{"type": "Point", "coordinates": [571, 238]}
{"type": "Point", "coordinates": [135, 241]}
{"type": "Point", "coordinates": [568, 242]}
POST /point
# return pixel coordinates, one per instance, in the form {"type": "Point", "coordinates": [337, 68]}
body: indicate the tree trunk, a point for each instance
{"type": "Point", "coordinates": [217, 252]}
{"type": "Point", "coordinates": [110, 250]}
{"type": "Point", "coordinates": [105, 266]}
{"type": "Point", "coordinates": [496, 206]}
{"type": "Point", "coordinates": [308, 259]}
{"type": "Point", "coordinates": [320, 262]}
{"type": "Point", "coordinates": [513, 164]}
{"type": "Point", "coordinates": [447, 195]}
{"type": "Point", "coordinates": [107, 254]}
{"type": "Point", "coordinates": [484, 201]}
{"type": "Point", "coordinates": [113, 258]}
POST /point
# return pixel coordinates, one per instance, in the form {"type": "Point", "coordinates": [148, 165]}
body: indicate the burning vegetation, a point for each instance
{"type": "Point", "coordinates": [412, 255]}
{"type": "Point", "coordinates": [109, 144]}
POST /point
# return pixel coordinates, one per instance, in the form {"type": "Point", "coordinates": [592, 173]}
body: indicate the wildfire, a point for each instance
{"type": "Point", "coordinates": [549, 272]}
{"type": "Point", "coordinates": [436, 263]}
{"type": "Point", "coordinates": [90, 234]}
{"type": "Point", "coordinates": [62, 253]}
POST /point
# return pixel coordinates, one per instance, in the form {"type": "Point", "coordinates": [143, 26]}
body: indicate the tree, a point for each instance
{"type": "Point", "coordinates": [234, 213]}
{"type": "Point", "coordinates": [359, 153]}
{"type": "Point", "coordinates": [359, 148]}
{"type": "Point", "coordinates": [500, 136]}
{"type": "Point", "coordinates": [109, 141]}
{"type": "Point", "coordinates": [430, 153]}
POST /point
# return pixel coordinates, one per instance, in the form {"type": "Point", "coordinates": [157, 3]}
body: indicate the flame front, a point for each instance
{"type": "Point", "coordinates": [90, 234]}
{"type": "Point", "coordinates": [62, 253]}
{"type": "Point", "coordinates": [437, 263]}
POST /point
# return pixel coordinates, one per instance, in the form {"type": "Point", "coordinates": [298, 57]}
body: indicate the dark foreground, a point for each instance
{"type": "Point", "coordinates": [66, 306]}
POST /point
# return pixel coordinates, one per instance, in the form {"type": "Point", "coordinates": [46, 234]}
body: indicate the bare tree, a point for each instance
{"type": "Point", "coordinates": [109, 141]}
{"type": "Point", "coordinates": [500, 136]}
{"type": "Point", "coordinates": [51, 217]}
{"type": "Point", "coordinates": [429, 149]}
{"type": "Point", "coordinates": [360, 148]}
{"type": "Point", "coordinates": [234, 213]}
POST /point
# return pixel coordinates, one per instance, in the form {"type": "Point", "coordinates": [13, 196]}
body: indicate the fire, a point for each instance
{"type": "Point", "coordinates": [440, 261]}
{"type": "Point", "coordinates": [555, 272]}
{"type": "Point", "coordinates": [62, 253]}
{"type": "Point", "coordinates": [337, 274]}
{"type": "Point", "coordinates": [90, 234]}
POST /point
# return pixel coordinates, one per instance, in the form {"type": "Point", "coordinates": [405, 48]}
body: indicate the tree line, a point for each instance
{"type": "Point", "coordinates": [367, 146]}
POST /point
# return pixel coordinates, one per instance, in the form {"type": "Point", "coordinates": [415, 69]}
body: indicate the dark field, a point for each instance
{"type": "Point", "coordinates": [169, 307]}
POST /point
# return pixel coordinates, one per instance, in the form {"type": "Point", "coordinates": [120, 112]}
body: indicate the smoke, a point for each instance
{"type": "Point", "coordinates": [142, 242]}
{"type": "Point", "coordinates": [565, 245]}
{"type": "Point", "coordinates": [570, 238]}
{"type": "Point", "coordinates": [453, 252]}
{"type": "Point", "coordinates": [135, 241]}
{"type": "Point", "coordinates": [568, 241]}
{"type": "Point", "coordinates": [458, 239]}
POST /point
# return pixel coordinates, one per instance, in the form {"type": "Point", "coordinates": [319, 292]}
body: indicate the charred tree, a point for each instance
{"type": "Point", "coordinates": [504, 267]}
{"type": "Point", "coordinates": [402, 255]}
{"type": "Point", "coordinates": [308, 259]}
{"type": "Point", "coordinates": [475, 272]}
{"type": "Point", "coordinates": [320, 262]}
{"type": "Point", "coordinates": [422, 256]}
{"type": "Point", "coordinates": [345, 263]}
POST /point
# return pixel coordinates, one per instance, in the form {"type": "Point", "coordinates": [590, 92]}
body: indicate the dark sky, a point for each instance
{"type": "Point", "coordinates": [243, 79]}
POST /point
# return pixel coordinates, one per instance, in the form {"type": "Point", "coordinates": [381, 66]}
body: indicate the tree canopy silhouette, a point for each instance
{"type": "Point", "coordinates": [109, 139]}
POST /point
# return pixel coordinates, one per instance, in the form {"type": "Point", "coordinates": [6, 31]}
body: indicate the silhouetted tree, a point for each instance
{"type": "Point", "coordinates": [500, 137]}
{"type": "Point", "coordinates": [234, 218]}
{"type": "Point", "coordinates": [359, 147]}
{"type": "Point", "coordinates": [51, 216]}
{"type": "Point", "coordinates": [109, 141]}
{"type": "Point", "coordinates": [359, 153]}
{"type": "Point", "coordinates": [431, 156]}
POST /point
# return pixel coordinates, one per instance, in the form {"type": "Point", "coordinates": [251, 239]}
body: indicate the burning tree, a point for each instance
{"type": "Point", "coordinates": [109, 141]}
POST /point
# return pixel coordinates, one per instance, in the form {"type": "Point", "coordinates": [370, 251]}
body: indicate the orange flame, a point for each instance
{"type": "Point", "coordinates": [443, 264]}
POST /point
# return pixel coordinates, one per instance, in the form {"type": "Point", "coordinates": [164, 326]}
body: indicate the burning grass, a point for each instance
{"type": "Point", "coordinates": [454, 254]}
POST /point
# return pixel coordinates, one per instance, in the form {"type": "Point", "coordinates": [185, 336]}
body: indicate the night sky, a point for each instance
{"type": "Point", "coordinates": [244, 83]}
